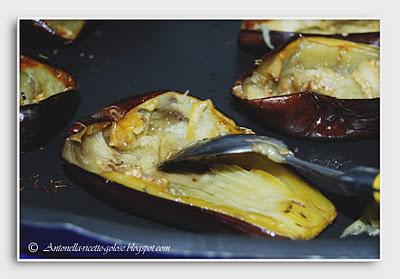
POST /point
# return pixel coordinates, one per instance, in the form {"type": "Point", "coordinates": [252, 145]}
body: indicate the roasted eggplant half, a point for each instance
{"type": "Point", "coordinates": [315, 87]}
{"type": "Point", "coordinates": [260, 36]}
{"type": "Point", "coordinates": [53, 31]}
{"type": "Point", "coordinates": [47, 101]}
{"type": "Point", "coordinates": [115, 152]}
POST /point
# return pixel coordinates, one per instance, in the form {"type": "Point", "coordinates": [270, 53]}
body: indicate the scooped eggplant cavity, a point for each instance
{"type": "Point", "coordinates": [39, 81]}
{"type": "Point", "coordinates": [331, 67]}
{"type": "Point", "coordinates": [257, 191]}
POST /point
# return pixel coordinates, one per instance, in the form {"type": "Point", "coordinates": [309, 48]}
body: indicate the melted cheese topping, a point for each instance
{"type": "Point", "coordinates": [331, 67]}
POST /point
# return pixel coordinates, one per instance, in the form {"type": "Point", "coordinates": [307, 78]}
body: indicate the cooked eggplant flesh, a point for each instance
{"type": "Point", "coordinates": [39, 81]}
{"type": "Point", "coordinates": [322, 27]}
{"type": "Point", "coordinates": [331, 67]}
{"type": "Point", "coordinates": [67, 29]}
{"type": "Point", "coordinates": [257, 191]}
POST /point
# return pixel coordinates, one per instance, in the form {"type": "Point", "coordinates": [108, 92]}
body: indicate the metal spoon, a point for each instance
{"type": "Point", "coordinates": [359, 181]}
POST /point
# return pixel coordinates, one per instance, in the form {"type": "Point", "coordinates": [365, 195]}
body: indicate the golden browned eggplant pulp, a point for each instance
{"type": "Point", "coordinates": [39, 81]}
{"type": "Point", "coordinates": [126, 145]}
{"type": "Point", "coordinates": [331, 67]}
{"type": "Point", "coordinates": [66, 29]}
{"type": "Point", "coordinates": [322, 27]}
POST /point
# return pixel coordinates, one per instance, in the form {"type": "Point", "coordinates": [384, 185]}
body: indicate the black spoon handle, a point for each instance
{"type": "Point", "coordinates": [362, 180]}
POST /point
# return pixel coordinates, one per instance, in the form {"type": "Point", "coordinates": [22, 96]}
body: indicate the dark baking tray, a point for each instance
{"type": "Point", "coordinates": [119, 58]}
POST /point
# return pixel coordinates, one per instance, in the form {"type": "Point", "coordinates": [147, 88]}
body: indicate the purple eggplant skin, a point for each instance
{"type": "Point", "coordinates": [144, 205]}
{"type": "Point", "coordinates": [310, 115]}
{"type": "Point", "coordinates": [40, 122]}
{"type": "Point", "coordinates": [252, 41]}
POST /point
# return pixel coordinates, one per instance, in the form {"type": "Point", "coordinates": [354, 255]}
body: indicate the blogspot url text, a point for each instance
{"type": "Point", "coordinates": [135, 248]}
